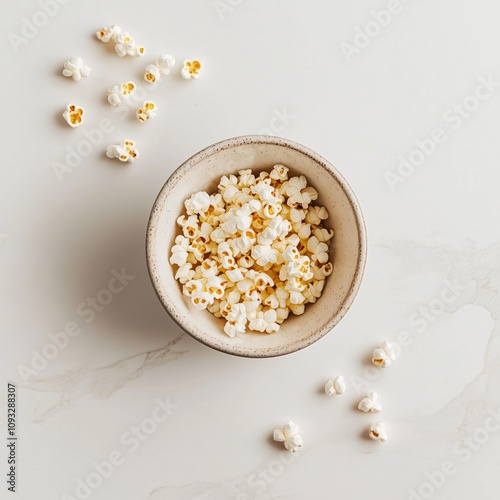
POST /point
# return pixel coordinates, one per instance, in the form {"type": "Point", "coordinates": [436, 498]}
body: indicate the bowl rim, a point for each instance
{"type": "Point", "coordinates": [331, 170]}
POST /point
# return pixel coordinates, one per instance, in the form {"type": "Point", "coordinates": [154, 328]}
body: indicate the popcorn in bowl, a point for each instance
{"type": "Point", "coordinates": [254, 251]}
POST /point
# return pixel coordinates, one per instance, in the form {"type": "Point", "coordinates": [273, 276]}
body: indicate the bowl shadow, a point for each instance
{"type": "Point", "coordinates": [85, 252]}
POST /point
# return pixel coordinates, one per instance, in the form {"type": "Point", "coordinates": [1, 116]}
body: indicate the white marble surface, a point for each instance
{"type": "Point", "coordinates": [436, 234]}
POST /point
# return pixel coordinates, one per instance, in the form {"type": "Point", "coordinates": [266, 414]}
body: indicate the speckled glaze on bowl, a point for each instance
{"type": "Point", "coordinates": [202, 172]}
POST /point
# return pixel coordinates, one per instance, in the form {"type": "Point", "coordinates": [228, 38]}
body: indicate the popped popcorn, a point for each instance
{"type": "Point", "coordinates": [279, 173]}
{"type": "Point", "coordinates": [73, 115]}
{"type": "Point", "coordinates": [152, 73]}
{"type": "Point", "coordinates": [336, 386]}
{"type": "Point", "coordinates": [165, 63]}
{"type": "Point", "coordinates": [125, 151]}
{"type": "Point", "coordinates": [384, 354]}
{"type": "Point", "coordinates": [370, 403]}
{"type": "Point", "coordinates": [185, 272]}
{"type": "Point", "coordinates": [191, 69]}
{"type": "Point", "coordinates": [147, 112]}
{"type": "Point", "coordinates": [378, 432]}
{"type": "Point", "coordinates": [161, 67]}
{"type": "Point", "coordinates": [125, 44]}
{"type": "Point", "coordinates": [264, 322]}
{"type": "Point", "coordinates": [108, 32]}
{"type": "Point", "coordinates": [249, 257]}
{"type": "Point", "coordinates": [119, 93]}
{"type": "Point", "coordinates": [316, 214]}
{"type": "Point", "coordinates": [289, 436]}
{"type": "Point", "coordinates": [75, 69]}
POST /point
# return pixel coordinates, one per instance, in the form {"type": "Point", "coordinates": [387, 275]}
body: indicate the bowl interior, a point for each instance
{"type": "Point", "coordinates": [202, 172]}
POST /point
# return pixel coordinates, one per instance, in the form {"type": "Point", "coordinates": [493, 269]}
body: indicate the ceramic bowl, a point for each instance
{"type": "Point", "coordinates": [202, 172]}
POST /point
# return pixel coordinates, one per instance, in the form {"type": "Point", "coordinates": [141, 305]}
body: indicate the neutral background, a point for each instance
{"type": "Point", "coordinates": [435, 235]}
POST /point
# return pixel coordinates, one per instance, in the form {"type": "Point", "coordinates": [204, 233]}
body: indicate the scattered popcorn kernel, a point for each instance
{"type": "Point", "coordinates": [370, 403]}
{"type": "Point", "coordinates": [125, 44]}
{"type": "Point", "coordinates": [336, 386]}
{"type": "Point", "coordinates": [249, 257]}
{"type": "Point", "coordinates": [161, 67]}
{"type": "Point", "coordinates": [165, 63]}
{"type": "Point", "coordinates": [378, 432]}
{"type": "Point", "coordinates": [108, 32]}
{"type": "Point", "coordinates": [73, 115]}
{"type": "Point", "coordinates": [75, 69]}
{"type": "Point", "coordinates": [114, 97]}
{"type": "Point", "coordinates": [289, 436]}
{"type": "Point", "coordinates": [139, 51]}
{"type": "Point", "coordinates": [152, 73]}
{"type": "Point", "coordinates": [119, 93]}
{"type": "Point", "coordinates": [147, 112]}
{"type": "Point", "coordinates": [384, 354]}
{"type": "Point", "coordinates": [191, 69]}
{"type": "Point", "coordinates": [127, 89]}
{"type": "Point", "coordinates": [127, 152]}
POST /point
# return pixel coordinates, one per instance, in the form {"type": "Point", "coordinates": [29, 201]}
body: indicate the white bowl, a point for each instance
{"type": "Point", "coordinates": [202, 172]}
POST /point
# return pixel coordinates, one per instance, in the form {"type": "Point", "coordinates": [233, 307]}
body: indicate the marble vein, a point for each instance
{"type": "Point", "coordinates": [102, 382]}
